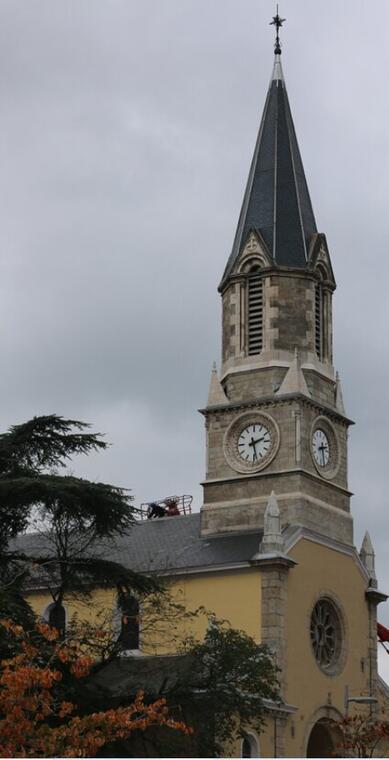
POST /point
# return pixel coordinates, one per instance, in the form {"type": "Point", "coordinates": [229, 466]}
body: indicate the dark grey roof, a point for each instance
{"type": "Point", "coordinates": [156, 675]}
{"type": "Point", "coordinates": [276, 202]}
{"type": "Point", "coordinates": [162, 545]}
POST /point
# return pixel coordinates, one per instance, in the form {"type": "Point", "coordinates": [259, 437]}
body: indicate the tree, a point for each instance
{"type": "Point", "coordinates": [363, 737]}
{"type": "Point", "coordinates": [37, 720]}
{"type": "Point", "coordinates": [237, 677]}
{"type": "Point", "coordinates": [219, 686]}
{"type": "Point", "coordinates": [78, 516]}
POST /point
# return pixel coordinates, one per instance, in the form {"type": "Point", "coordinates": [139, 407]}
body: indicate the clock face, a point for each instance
{"type": "Point", "coordinates": [321, 447]}
{"type": "Point", "coordinates": [251, 442]}
{"type": "Point", "coordinates": [254, 442]}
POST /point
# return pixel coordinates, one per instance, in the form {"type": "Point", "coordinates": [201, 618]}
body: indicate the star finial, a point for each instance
{"type": "Point", "coordinates": [277, 22]}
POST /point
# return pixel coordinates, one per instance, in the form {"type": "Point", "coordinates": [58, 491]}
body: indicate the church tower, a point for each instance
{"type": "Point", "coordinates": [275, 420]}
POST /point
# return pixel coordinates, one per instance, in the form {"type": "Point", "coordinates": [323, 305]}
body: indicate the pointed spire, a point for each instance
{"type": "Point", "coordinates": [272, 538]}
{"type": "Point", "coordinates": [216, 394]}
{"type": "Point", "coordinates": [276, 202]}
{"type": "Point", "coordinates": [294, 380]}
{"type": "Point", "coordinates": [367, 556]}
{"type": "Point", "coordinates": [339, 396]}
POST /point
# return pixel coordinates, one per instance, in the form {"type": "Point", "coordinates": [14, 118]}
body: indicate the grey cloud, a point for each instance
{"type": "Point", "coordinates": [126, 133]}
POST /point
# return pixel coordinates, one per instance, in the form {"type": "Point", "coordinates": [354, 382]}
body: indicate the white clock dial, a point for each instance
{"type": "Point", "coordinates": [320, 447]}
{"type": "Point", "coordinates": [254, 442]}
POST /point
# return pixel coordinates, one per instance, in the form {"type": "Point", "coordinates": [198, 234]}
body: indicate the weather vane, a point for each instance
{"type": "Point", "coordinates": [277, 22]}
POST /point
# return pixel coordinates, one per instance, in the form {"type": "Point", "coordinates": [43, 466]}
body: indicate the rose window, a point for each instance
{"type": "Point", "coordinates": [325, 634]}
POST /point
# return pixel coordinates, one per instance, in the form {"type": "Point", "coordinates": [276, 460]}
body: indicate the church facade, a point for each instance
{"type": "Point", "coordinates": [272, 548]}
{"type": "Point", "coordinates": [277, 435]}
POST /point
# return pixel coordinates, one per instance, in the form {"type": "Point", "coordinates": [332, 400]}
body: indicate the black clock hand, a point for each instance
{"type": "Point", "coordinates": [323, 448]}
{"type": "Point", "coordinates": [252, 443]}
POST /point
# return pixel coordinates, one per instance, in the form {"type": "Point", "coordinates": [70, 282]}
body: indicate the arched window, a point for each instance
{"type": "Point", "coordinates": [254, 311]}
{"type": "Point", "coordinates": [250, 746]}
{"type": "Point", "coordinates": [55, 615]}
{"type": "Point", "coordinates": [129, 623]}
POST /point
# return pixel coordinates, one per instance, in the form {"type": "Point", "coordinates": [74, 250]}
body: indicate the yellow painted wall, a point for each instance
{"type": "Point", "coordinates": [322, 570]}
{"type": "Point", "coordinates": [94, 609]}
{"type": "Point", "coordinates": [233, 596]}
{"type": "Point", "coordinates": [236, 597]}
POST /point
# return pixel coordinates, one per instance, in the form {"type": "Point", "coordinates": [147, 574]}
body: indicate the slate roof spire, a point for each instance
{"type": "Point", "coordinates": [276, 202]}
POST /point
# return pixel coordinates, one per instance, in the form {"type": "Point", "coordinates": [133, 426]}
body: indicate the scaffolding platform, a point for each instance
{"type": "Point", "coordinates": [184, 506]}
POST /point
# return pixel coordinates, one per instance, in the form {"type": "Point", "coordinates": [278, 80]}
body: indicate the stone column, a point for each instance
{"type": "Point", "coordinates": [275, 566]}
{"type": "Point", "coordinates": [374, 597]}
{"type": "Point", "coordinates": [274, 580]}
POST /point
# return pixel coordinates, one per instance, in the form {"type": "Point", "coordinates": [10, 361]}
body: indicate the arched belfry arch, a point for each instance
{"type": "Point", "coordinates": [323, 734]}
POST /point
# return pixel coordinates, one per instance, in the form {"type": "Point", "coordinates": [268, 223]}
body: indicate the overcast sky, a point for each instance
{"type": "Point", "coordinates": [126, 133]}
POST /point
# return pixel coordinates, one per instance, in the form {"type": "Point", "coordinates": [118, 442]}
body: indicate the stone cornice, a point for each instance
{"type": "Point", "coordinates": [34, 588]}
{"type": "Point", "coordinates": [279, 708]}
{"type": "Point", "coordinates": [325, 371]}
{"type": "Point", "coordinates": [375, 596]}
{"type": "Point", "coordinates": [278, 473]}
{"type": "Point", "coordinates": [302, 274]}
{"type": "Point", "coordinates": [273, 400]}
{"type": "Point", "coordinates": [273, 559]}
{"type": "Point", "coordinates": [299, 532]}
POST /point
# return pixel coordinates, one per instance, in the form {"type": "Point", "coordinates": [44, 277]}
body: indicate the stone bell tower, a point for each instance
{"type": "Point", "coordinates": [275, 419]}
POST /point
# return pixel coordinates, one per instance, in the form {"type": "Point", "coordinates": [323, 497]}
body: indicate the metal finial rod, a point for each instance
{"type": "Point", "coordinates": [277, 22]}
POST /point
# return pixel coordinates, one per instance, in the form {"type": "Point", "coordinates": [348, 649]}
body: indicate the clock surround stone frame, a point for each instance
{"type": "Point", "coordinates": [329, 470]}
{"type": "Point", "coordinates": [231, 437]}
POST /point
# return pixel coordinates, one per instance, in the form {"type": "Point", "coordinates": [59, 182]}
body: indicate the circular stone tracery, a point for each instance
{"type": "Point", "coordinates": [325, 634]}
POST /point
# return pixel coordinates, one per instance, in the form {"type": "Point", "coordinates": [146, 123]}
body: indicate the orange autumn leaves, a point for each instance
{"type": "Point", "coordinates": [34, 722]}
{"type": "Point", "coordinates": [363, 736]}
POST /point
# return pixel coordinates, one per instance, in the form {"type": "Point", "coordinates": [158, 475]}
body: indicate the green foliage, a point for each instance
{"type": "Point", "coordinates": [31, 456]}
{"type": "Point", "coordinates": [236, 676]}
{"type": "Point", "coordinates": [76, 517]}
{"type": "Point", "coordinates": [45, 442]}
{"type": "Point", "coordinates": [219, 688]}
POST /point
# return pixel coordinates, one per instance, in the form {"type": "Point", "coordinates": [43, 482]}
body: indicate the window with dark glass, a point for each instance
{"type": "Point", "coordinates": [56, 616]}
{"type": "Point", "coordinates": [129, 623]}
{"type": "Point", "coordinates": [250, 746]}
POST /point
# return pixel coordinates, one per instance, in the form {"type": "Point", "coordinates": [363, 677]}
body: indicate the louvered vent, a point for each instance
{"type": "Point", "coordinates": [318, 320]}
{"type": "Point", "coordinates": [255, 314]}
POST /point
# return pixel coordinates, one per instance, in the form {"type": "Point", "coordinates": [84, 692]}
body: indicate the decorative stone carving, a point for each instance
{"type": "Point", "coordinates": [216, 393]}
{"type": "Point", "coordinates": [272, 539]}
{"type": "Point", "coordinates": [367, 556]}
